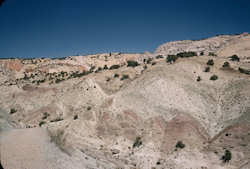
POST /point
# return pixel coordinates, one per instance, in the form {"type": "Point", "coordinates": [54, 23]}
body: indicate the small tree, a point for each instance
{"type": "Point", "coordinates": [114, 67]}
{"type": "Point", "coordinates": [212, 54]}
{"type": "Point", "coordinates": [214, 77]}
{"type": "Point", "coordinates": [149, 60]}
{"type": "Point", "coordinates": [180, 145]}
{"type": "Point", "coordinates": [234, 58]}
{"type": "Point", "coordinates": [159, 57]}
{"type": "Point", "coordinates": [132, 63]}
{"type": "Point", "coordinates": [116, 75]}
{"type": "Point", "coordinates": [207, 69]}
{"type": "Point", "coordinates": [75, 117]}
{"type": "Point", "coordinates": [89, 108]}
{"type": "Point", "coordinates": [99, 69]}
{"type": "Point", "coordinates": [124, 77]}
{"type": "Point", "coordinates": [227, 156]}
{"type": "Point", "coordinates": [12, 111]}
{"type": "Point", "coordinates": [186, 54]}
{"type": "Point", "coordinates": [171, 58]}
{"type": "Point", "coordinates": [245, 71]}
{"type": "Point", "coordinates": [226, 65]}
{"type": "Point", "coordinates": [105, 67]}
{"type": "Point", "coordinates": [198, 79]}
{"type": "Point", "coordinates": [138, 142]}
{"type": "Point", "coordinates": [42, 123]}
{"type": "Point", "coordinates": [210, 62]}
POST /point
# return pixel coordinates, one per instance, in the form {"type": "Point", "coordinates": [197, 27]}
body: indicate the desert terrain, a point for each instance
{"type": "Point", "coordinates": [184, 106]}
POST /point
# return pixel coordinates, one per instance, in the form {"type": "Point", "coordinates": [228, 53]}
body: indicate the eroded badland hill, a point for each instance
{"type": "Point", "coordinates": [185, 106]}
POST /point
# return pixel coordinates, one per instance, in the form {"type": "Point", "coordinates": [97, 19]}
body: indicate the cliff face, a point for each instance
{"type": "Point", "coordinates": [78, 113]}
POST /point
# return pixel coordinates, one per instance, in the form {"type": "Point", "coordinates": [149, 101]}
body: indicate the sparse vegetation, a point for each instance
{"type": "Point", "coordinates": [105, 67]}
{"type": "Point", "coordinates": [245, 71]}
{"type": "Point", "coordinates": [45, 115]}
{"type": "Point", "coordinates": [56, 119]}
{"type": "Point", "coordinates": [180, 145]}
{"type": "Point", "coordinates": [149, 60]}
{"type": "Point", "coordinates": [159, 57]}
{"type": "Point", "coordinates": [108, 79]}
{"type": "Point", "coordinates": [211, 54]}
{"type": "Point", "coordinates": [234, 58]}
{"type": "Point", "coordinates": [59, 80]}
{"type": "Point", "coordinates": [125, 76]}
{"type": "Point", "coordinates": [132, 63]}
{"type": "Point", "coordinates": [153, 63]}
{"type": "Point", "coordinates": [227, 156]}
{"type": "Point", "coordinates": [138, 142]}
{"type": "Point", "coordinates": [42, 123]}
{"type": "Point", "coordinates": [114, 67]}
{"type": "Point", "coordinates": [226, 65]}
{"type": "Point", "coordinates": [207, 69]}
{"type": "Point", "coordinates": [214, 77]}
{"type": "Point", "coordinates": [12, 111]}
{"type": "Point", "coordinates": [210, 62]}
{"type": "Point", "coordinates": [99, 69]}
{"type": "Point", "coordinates": [198, 79]}
{"type": "Point", "coordinates": [116, 75]}
{"type": "Point", "coordinates": [186, 54]}
{"type": "Point", "coordinates": [171, 58]}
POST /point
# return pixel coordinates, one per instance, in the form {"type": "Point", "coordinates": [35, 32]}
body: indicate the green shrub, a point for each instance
{"type": "Point", "coordinates": [89, 108]}
{"type": "Point", "coordinates": [132, 63]}
{"type": "Point", "coordinates": [186, 54]}
{"type": "Point", "coordinates": [105, 67]}
{"type": "Point", "coordinates": [124, 77]}
{"type": "Point", "coordinates": [245, 71]}
{"type": "Point", "coordinates": [92, 69]}
{"type": "Point", "coordinates": [116, 75]}
{"type": "Point", "coordinates": [227, 156]}
{"type": "Point", "coordinates": [234, 58]}
{"type": "Point", "coordinates": [226, 65]}
{"type": "Point", "coordinates": [99, 69]}
{"type": "Point", "coordinates": [45, 115]}
{"type": "Point", "coordinates": [108, 79]}
{"type": "Point", "coordinates": [138, 142]}
{"type": "Point", "coordinates": [202, 53]}
{"type": "Point", "coordinates": [159, 57]}
{"type": "Point", "coordinates": [198, 79]}
{"type": "Point", "coordinates": [214, 77]}
{"type": "Point", "coordinates": [149, 60]}
{"type": "Point", "coordinates": [59, 80]}
{"type": "Point", "coordinates": [12, 111]}
{"type": "Point", "coordinates": [212, 54]}
{"type": "Point", "coordinates": [114, 67]}
{"type": "Point", "coordinates": [171, 58]}
{"type": "Point", "coordinates": [56, 119]}
{"type": "Point", "coordinates": [75, 117]}
{"type": "Point", "coordinates": [180, 145]}
{"type": "Point", "coordinates": [42, 123]}
{"type": "Point", "coordinates": [210, 62]}
{"type": "Point", "coordinates": [207, 69]}
{"type": "Point", "coordinates": [153, 63]}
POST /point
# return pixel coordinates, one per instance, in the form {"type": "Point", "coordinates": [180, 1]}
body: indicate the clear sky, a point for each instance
{"type": "Point", "coordinates": [58, 28]}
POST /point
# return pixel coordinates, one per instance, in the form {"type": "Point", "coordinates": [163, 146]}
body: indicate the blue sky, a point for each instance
{"type": "Point", "coordinates": [58, 28]}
